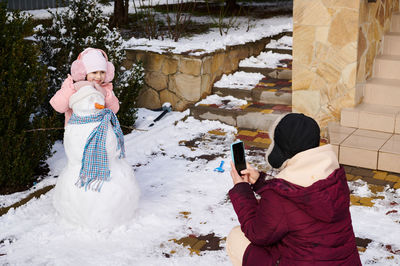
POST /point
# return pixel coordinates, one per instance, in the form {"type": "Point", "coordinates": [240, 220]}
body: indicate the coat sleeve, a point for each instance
{"type": "Point", "coordinates": [111, 101]}
{"type": "Point", "coordinates": [60, 100]}
{"type": "Point", "coordinates": [263, 222]}
{"type": "Point", "coordinates": [260, 183]}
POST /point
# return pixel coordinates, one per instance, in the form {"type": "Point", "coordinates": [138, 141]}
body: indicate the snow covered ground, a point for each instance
{"type": "Point", "coordinates": [204, 43]}
{"type": "Point", "coordinates": [181, 195]}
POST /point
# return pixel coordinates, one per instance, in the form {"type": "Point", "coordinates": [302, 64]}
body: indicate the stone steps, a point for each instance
{"type": "Point", "coordinates": [391, 43]}
{"type": "Point", "coordinates": [395, 24]}
{"type": "Point", "coordinates": [369, 134]}
{"type": "Point", "coordinates": [252, 115]}
{"type": "Point", "coordinates": [254, 96]}
{"type": "Point", "coordinates": [387, 66]}
{"type": "Point", "coordinates": [382, 91]}
{"type": "Point", "coordinates": [268, 90]}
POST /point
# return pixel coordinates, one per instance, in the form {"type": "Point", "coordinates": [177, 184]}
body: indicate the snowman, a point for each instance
{"type": "Point", "coordinates": [97, 188]}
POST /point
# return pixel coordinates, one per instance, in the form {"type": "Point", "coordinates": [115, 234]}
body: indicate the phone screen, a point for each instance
{"type": "Point", "coordinates": [238, 156]}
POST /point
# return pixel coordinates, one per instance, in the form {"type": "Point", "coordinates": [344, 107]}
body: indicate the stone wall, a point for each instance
{"type": "Point", "coordinates": [375, 19]}
{"type": "Point", "coordinates": [327, 60]}
{"type": "Point", "coordinates": [185, 79]}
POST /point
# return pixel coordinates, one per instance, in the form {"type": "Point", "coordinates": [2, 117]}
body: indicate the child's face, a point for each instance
{"type": "Point", "coordinates": [98, 77]}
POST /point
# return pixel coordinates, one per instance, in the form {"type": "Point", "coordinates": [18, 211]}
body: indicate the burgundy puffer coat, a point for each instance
{"type": "Point", "coordinates": [295, 225]}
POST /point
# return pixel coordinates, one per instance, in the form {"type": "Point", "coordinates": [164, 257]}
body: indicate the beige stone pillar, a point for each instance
{"type": "Point", "coordinates": [325, 41]}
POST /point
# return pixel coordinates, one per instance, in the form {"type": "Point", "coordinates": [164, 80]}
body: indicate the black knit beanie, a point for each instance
{"type": "Point", "coordinates": [293, 134]}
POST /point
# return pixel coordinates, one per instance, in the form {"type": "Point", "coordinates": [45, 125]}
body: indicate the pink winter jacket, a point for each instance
{"type": "Point", "coordinates": [60, 101]}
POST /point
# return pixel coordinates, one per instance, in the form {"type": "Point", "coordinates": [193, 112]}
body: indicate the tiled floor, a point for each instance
{"type": "Point", "coordinates": [366, 148]}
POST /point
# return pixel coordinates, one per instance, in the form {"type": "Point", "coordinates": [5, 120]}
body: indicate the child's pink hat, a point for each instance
{"type": "Point", "coordinates": [92, 60]}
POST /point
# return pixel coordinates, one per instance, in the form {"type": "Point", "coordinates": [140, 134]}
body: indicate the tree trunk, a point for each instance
{"type": "Point", "coordinates": [120, 16]}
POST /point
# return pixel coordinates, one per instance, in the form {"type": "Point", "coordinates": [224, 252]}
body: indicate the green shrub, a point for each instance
{"type": "Point", "coordinates": [77, 27]}
{"type": "Point", "coordinates": [23, 89]}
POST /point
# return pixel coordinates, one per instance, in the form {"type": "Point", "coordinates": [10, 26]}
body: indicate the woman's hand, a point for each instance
{"type": "Point", "coordinates": [236, 178]}
{"type": "Point", "coordinates": [251, 174]}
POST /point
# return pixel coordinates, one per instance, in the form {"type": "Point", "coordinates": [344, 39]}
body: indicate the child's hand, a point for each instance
{"type": "Point", "coordinates": [80, 84]}
{"type": "Point", "coordinates": [251, 173]}
{"type": "Point", "coordinates": [236, 178]}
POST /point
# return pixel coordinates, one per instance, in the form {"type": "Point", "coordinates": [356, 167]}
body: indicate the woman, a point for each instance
{"type": "Point", "coordinates": [302, 217]}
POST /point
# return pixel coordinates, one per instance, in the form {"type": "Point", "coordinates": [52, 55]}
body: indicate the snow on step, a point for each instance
{"type": "Point", "coordinates": [265, 60]}
{"type": "Point", "coordinates": [231, 102]}
{"type": "Point", "coordinates": [239, 80]}
{"type": "Point", "coordinates": [286, 43]}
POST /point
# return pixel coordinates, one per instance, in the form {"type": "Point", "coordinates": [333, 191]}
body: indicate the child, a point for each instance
{"type": "Point", "coordinates": [91, 66]}
{"type": "Point", "coordinates": [303, 215]}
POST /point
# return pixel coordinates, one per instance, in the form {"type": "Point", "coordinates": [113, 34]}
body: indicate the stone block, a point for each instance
{"type": "Point", "coordinates": [186, 86]}
{"type": "Point", "coordinates": [170, 66]}
{"type": "Point", "coordinates": [141, 56]}
{"type": "Point", "coordinates": [243, 52]}
{"type": "Point", "coordinates": [303, 43]}
{"type": "Point", "coordinates": [361, 69]}
{"type": "Point", "coordinates": [217, 63]}
{"type": "Point", "coordinates": [228, 66]}
{"type": "Point", "coordinates": [329, 72]}
{"type": "Point", "coordinates": [234, 58]}
{"type": "Point", "coordinates": [318, 84]}
{"type": "Point", "coordinates": [322, 53]}
{"type": "Point", "coordinates": [167, 96]}
{"type": "Point", "coordinates": [256, 120]}
{"type": "Point", "coordinates": [156, 80]}
{"type": "Point", "coordinates": [149, 98]}
{"type": "Point", "coordinates": [349, 52]}
{"type": "Point", "coordinates": [153, 62]}
{"type": "Point", "coordinates": [302, 77]}
{"type": "Point", "coordinates": [223, 115]}
{"type": "Point", "coordinates": [344, 27]}
{"type": "Point", "coordinates": [207, 65]}
{"type": "Point", "coordinates": [190, 66]}
{"type": "Point", "coordinates": [311, 13]}
{"type": "Point", "coordinates": [321, 34]}
{"type": "Point", "coordinates": [307, 102]}
{"type": "Point", "coordinates": [130, 55]}
{"type": "Point", "coordinates": [343, 3]}
{"type": "Point", "coordinates": [182, 105]}
{"type": "Point", "coordinates": [349, 75]}
{"type": "Point", "coordinates": [362, 43]}
{"type": "Point", "coordinates": [206, 85]}
{"type": "Point", "coordinates": [380, 15]}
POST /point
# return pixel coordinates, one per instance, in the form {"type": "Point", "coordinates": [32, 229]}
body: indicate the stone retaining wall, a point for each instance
{"type": "Point", "coordinates": [334, 45]}
{"type": "Point", "coordinates": [184, 79]}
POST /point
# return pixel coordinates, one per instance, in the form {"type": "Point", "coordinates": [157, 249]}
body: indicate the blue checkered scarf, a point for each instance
{"type": "Point", "coordinates": [95, 166]}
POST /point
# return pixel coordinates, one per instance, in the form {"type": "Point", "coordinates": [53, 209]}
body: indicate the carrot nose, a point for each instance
{"type": "Point", "coordinates": [98, 106]}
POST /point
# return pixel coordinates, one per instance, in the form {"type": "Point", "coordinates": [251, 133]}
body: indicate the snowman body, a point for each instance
{"type": "Point", "coordinates": [118, 198]}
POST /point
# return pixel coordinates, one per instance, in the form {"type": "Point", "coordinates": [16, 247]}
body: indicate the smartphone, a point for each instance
{"type": "Point", "coordinates": [238, 156]}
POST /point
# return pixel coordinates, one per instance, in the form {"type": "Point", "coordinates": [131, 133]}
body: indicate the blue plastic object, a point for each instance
{"type": "Point", "coordinates": [220, 169]}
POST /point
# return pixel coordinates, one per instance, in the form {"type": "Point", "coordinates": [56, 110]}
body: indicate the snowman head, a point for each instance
{"type": "Point", "coordinates": [86, 101]}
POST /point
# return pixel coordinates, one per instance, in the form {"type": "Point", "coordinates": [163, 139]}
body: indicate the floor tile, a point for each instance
{"type": "Point", "coordinates": [358, 157]}
{"type": "Point", "coordinates": [366, 139]}
{"type": "Point", "coordinates": [349, 117]}
{"type": "Point", "coordinates": [392, 145]}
